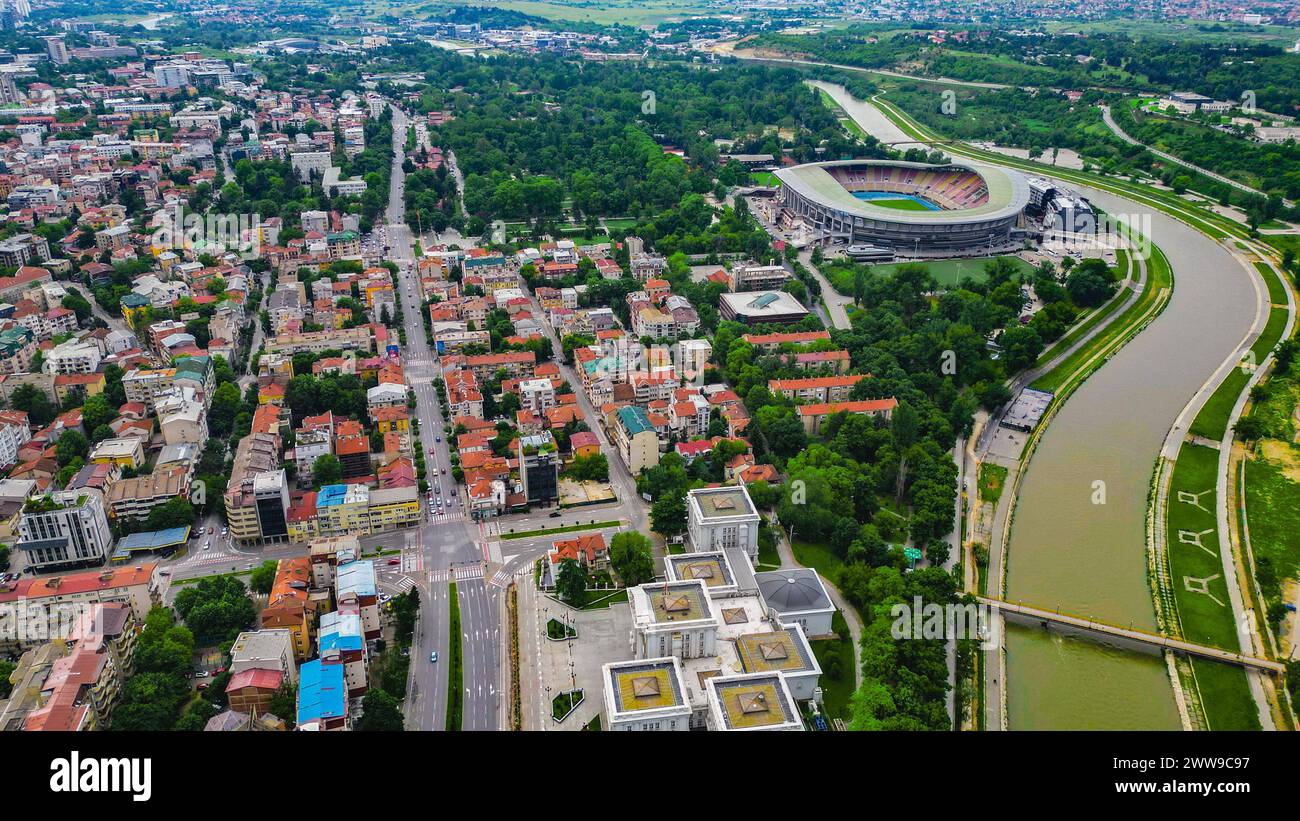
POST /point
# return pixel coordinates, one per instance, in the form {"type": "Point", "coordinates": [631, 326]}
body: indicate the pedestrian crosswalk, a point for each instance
{"type": "Point", "coordinates": [468, 572]}
{"type": "Point", "coordinates": [460, 573]}
{"type": "Point", "coordinates": [439, 516]}
{"type": "Point", "coordinates": [502, 578]}
{"type": "Point", "coordinates": [405, 583]}
{"type": "Point", "coordinates": [211, 559]}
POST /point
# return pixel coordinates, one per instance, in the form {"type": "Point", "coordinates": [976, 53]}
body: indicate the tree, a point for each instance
{"type": "Point", "coordinates": [196, 716]}
{"type": "Point", "coordinates": [263, 577]}
{"type": "Point", "coordinates": [406, 609]}
{"type": "Point", "coordinates": [1090, 283]}
{"type": "Point", "coordinates": [629, 552]}
{"type": "Point", "coordinates": [176, 512]}
{"type": "Point", "coordinates": [226, 404]}
{"type": "Point", "coordinates": [1021, 346]}
{"type": "Point", "coordinates": [96, 411]}
{"type": "Point", "coordinates": [40, 410]}
{"type": "Point", "coordinates": [380, 713]}
{"type": "Point", "coordinates": [72, 445]}
{"type": "Point", "coordinates": [284, 702]}
{"type": "Point", "coordinates": [903, 427]}
{"type": "Point", "coordinates": [668, 515]}
{"type": "Point", "coordinates": [571, 582]}
{"type": "Point", "coordinates": [217, 608]}
{"type": "Point", "coordinates": [327, 470]}
{"type": "Point", "coordinates": [593, 468]}
{"type": "Point", "coordinates": [78, 304]}
{"type": "Point", "coordinates": [1249, 428]}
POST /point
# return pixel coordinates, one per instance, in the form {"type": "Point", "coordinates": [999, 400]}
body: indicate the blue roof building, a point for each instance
{"type": "Point", "coordinates": [341, 632]}
{"type": "Point", "coordinates": [331, 495]}
{"type": "Point", "coordinates": [355, 580]}
{"type": "Point", "coordinates": [322, 700]}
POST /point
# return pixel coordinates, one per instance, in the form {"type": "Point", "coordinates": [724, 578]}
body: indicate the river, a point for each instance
{"type": "Point", "coordinates": [1089, 559]}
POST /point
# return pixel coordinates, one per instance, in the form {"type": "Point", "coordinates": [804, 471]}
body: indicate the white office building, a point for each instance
{"type": "Point", "coordinates": [719, 518]}
{"type": "Point", "coordinates": [65, 528]}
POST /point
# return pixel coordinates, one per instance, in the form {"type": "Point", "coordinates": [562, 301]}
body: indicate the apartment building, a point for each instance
{"type": "Point", "coordinates": [65, 529]}
{"type": "Point", "coordinates": [816, 389]}
{"type": "Point", "coordinates": [813, 416]}
{"type": "Point", "coordinates": [133, 499]}
{"type": "Point", "coordinates": [635, 437]}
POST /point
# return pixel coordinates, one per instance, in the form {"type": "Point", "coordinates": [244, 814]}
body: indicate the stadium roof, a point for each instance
{"type": "Point", "coordinates": [1008, 192]}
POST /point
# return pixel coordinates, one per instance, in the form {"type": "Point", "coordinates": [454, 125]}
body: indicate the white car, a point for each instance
{"type": "Point", "coordinates": [207, 546]}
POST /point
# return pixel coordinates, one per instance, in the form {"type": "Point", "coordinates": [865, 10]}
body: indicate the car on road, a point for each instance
{"type": "Point", "coordinates": [444, 471]}
{"type": "Point", "coordinates": [164, 572]}
{"type": "Point", "coordinates": [437, 489]}
{"type": "Point", "coordinates": [433, 656]}
{"type": "Point", "coordinates": [437, 438]}
{"type": "Point", "coordinates": [555, 514]}
{"type": "Point", "coordinates": [203, 685]}
{"type": "Point", "coordinates": [394, 561]}
{"type": "Point", "coordinates": [201, 674]}
{"type": "Point", "coordinates": [207, 546]}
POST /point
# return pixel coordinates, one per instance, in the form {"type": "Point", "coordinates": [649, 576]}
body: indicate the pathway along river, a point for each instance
{"type": "Point", "coordinates": [1068, 553]}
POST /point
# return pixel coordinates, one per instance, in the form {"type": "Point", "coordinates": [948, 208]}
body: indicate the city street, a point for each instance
{"type": "Point", "coordinates": [450, 544]}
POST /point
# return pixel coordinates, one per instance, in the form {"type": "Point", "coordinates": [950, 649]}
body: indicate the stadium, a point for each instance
{"type": "Point", "coordinates": [911, 207]}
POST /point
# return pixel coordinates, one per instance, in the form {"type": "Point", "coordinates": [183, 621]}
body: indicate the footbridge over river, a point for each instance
{"type": "Point", "coordinates": [1027, 614]}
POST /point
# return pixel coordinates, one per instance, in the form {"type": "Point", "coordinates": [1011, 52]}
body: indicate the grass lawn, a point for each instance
{"type": "Point", "coordinates": [901, 204]}
{"type": "Point", "coordinates": [1212, 421]}
{"type": "Point", "coordinates": [524, 534]}
{"type": "Point", "coordinates": [556, 629]}
{"type": "Point", "coordinates": [835, 657]}
{"type": "Point", "coordinates": [620, 223]}
{"type": "Point", "coordinates": [455, 678]}
{"type": "Point", "coordinates": [1225, 696]}
{"type": "Point", "coordinates": [1276, 290]}
{"type": "Point", "coordinates": [1273, 515]}
{"type": "Point", "coordinates": [1283, 241]}
{"type": "Point", "coordinates": [764, 178]}
{"type": "Point", "coordinates": [992, 479]}
{"type": "Point", "coordinates": [564, 703]}
{"type": "Point", "coordinates": [596, 599]}
{"type": "Point", "coordinates": [1206, 617]}
{"type": "Point", "coordinates": [948, 272]}
{"type": "Point", "coordinates": [821, 558]}
{"type": "Point", "coordinates": [768, 555]}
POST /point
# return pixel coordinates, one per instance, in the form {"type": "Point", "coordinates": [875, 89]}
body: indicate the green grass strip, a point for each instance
{"type": "Point", "coordinates": [456, 676]}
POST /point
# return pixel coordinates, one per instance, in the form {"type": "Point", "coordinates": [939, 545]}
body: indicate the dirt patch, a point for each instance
{"type": "Point", "coordinates": [1284, 455]}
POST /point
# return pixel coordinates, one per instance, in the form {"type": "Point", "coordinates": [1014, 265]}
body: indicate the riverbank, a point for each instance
{"type": "Point", "coordinates": [1069, 549]}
